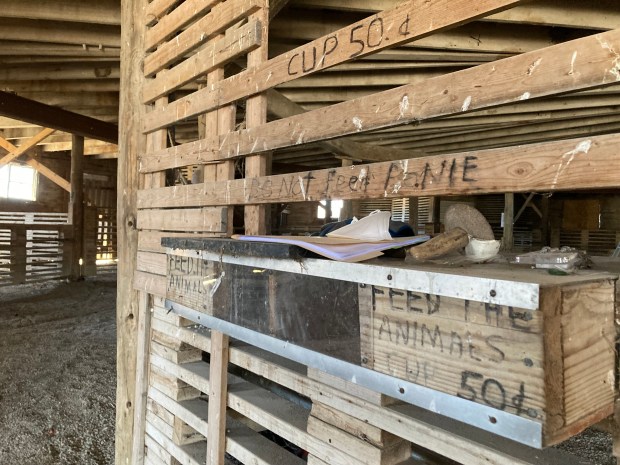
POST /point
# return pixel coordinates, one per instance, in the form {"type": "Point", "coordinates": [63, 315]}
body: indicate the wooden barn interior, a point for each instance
{"type": "Point", "coordinates": [139, 136]}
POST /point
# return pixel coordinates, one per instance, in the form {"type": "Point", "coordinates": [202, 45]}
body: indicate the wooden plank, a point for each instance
{"type": "Point", "coordinates": [150, 283]}
{"type": "Point", "coordinates": [218, 391]}
{"type": "Point", "coordinates": [255, 216]}
{"type": "Point", "coordinates": [157, 9]}
{"type": "Point", "coordinates": [174, 21]}
{"type": "Point", "coordinates": [192, 219]}
{"type": "Point", "coordinates": [17, 152]}
{"type": "Point", "coordinates": [241, 442]}
{"type": "Point", "coordinates": [386, 29]}
{"type": "Point", "coordinates": [233, 45]}
{"type": "Point", "coordinates": [216, 21]}
{"type": "Point", "coordinates": [130, 145]}
{"type": "Point", "coordinates": [154, 263]}
{"type": "Point", "coordinates": [357, 448]}
{"type": "Point", "coordinates": [587, 355]}
{"type": "Point", "coordinates": [183, 355]}
{"type": "Point", "coordinates": [353, 426]}
{"type": "Point", "coordinates": [540, 167]}
{"type": "Point", "coordinates": [282, 107]}
{"type": "Point", "coordinates": [30, 111]}
{"type": "Point", "coordinates": [445, 95]}
{"type": "Point", "coordinates": [593, 66]}
{"type": "Point", "coordinates": [144, 330]}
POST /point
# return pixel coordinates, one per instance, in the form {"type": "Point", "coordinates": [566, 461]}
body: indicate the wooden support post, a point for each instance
{"type": "Point", "coordinates": [347, 205]}
{"type": "Point", "coordinates": [132, 143]}
{"type": "Point", "coordinates": [509, 213]}
{"type": "Point", "coordinates": [19, 253]}
{"type": "Point", "coordinates": [218, 392]}
{"type": "Point", "coordinates": [76, 204]}
{"type": "Point", "coordinates": [413, 213]}
{"type": "Point", "coordinates": [256, 115]}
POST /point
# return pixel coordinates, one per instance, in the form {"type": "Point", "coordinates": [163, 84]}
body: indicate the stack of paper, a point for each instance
{"type": "Point", "coordinates": [341, 249]}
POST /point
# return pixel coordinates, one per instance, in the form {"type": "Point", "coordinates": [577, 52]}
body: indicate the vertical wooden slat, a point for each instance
{"type": "Point", "coordinates": [218, 392]}
{"type": "Point", "coordinates": [413, 213]}
{"type": "Point", "coordinates": [142, 384]}
{"type": "Point", "coordinates": [256, 114]}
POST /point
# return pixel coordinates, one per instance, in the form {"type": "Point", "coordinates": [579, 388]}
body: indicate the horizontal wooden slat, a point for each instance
{"type": "Point", "coordinates": [233, 45]}
{"type": "Point", "coordinates": [241, 442]}
{"type": "Point", "coordinates": [194, 219]}
{"type": "Point", "coordinates": [152, 262]}
{"type": "Point", "coordinates": [151, 283]}
{"type": "Point", "coordinates": [408, 21]}
{"type": "Point", "coordinates": [565, 165]}
{"type": "Point", "coordinates": [219, 18]}
{"type": "Point", "coordinates": [576, 65]}
{"type": "Point", "coordinates": [158, 8]}
{"type": "Point", "coordinates": [168, 25]}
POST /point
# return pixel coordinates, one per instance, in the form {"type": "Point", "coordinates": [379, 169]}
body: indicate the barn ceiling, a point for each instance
{"type": "Point", "coordinates": [66, 53]}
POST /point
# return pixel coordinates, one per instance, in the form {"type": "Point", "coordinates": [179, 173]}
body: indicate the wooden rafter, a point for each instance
{"type": "Point", "coordinates": [282, 107]}
{"type": "Point", "coordinates": [41, 114]}
{"type": "Point", "coordinates": [15, 152]}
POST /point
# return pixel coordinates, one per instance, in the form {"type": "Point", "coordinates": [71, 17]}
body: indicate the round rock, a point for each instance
{"type": "Point", "coordinates": [470, 219]}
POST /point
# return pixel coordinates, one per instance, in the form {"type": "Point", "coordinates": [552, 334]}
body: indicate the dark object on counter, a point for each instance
{"type": "Point", "coordinates": [397, 228]}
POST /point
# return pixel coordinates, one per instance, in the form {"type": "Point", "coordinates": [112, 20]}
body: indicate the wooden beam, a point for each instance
{"type": "Point", "coordinates": [388, 29]}
{"type": "Point", "coordinates": [255, 216]}
{"type": "Point", "coordinates": [565, 165]}
{"type": "Point", "coordinates": [49, 174]}
{"type": "Point", "coordinates": [41, 114]}
{"type": "Point", "coordinates": [13, 49]}
{"type": "Point", "coordinates": [602, 14]}
{"type": "Point", "coordinates": [282, 107]}
{"type": "Point", "coordinates": [216, 21]}
{"type": "Point", "coordinates": [576, 65]}
{"type": "Point", "coordinates": [56, 32]}
{"type": "Point", "coordinates": [16, 152]}
{"type": "Point", "coordinates": [99, 12]}
{"type": "Point", "coordinates": [70, 71]}
{"type": "Point", "coordinates": [41, 168]}
{"type": "Point", "coordinates": [133, 142]}
{"type": "Point", "coordinates": [76, 204]}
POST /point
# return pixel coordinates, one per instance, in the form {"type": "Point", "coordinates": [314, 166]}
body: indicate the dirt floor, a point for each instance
{"type": "Point", "coordinates": [57, 377]}
{"type": "Point", "coordinates": [58, 373]}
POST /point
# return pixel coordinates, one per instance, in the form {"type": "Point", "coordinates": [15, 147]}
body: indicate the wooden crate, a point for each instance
{"type": "Point", "coordinates": [553, 364]}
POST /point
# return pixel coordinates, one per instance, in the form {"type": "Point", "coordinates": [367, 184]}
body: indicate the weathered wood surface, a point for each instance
{"type": "Point", "coordinates": [230, 47]}
{"type": "Point", "coordinates": [171, 23]}
{"type": "Point", "coordinates": [578, 65]}
{"type": "Point", "coordinates": [406, 22]}
{"type": "Point", "coordinates": [542, 364]}
{"type": "Point", "coordinates": [192, 219]}
{"type": "Point", "coordinates": [216, 21]}
{"type": "Point", "coordinates": [130, 145]}
{"type": "Point", "coordinates": [547, 167]}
